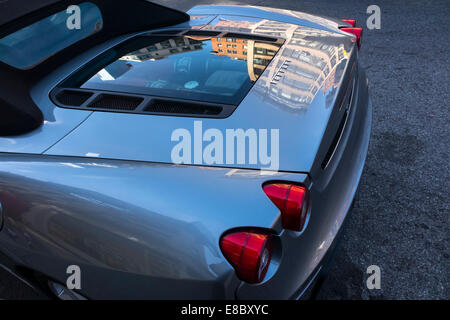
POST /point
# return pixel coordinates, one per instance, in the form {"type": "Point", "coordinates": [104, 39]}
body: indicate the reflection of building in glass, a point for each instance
{"type": "Point", "coordinates": [313, 57]}
{"type": "Point", "coordinates": [231, 47]}
{"type": "Point", "coordinates": [257, 54]}
{"type": "Point", "coordinates": [261, 55]}
{"type": "Point", "coordinates": [305, 16]}
{"type": "Point", "coordinates": [224, 24]}
{"type": "Point", "coordinates": [274, 28]}
{"type": "Point", "coordinates": [312, 63]}
{"type": "Point", "coordinates": [260, 26]}
{"type": "Point", "coordinates": [164, 49]}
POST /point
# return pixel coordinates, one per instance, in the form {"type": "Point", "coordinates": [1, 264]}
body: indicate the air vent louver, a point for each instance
{"type": "Point", "coordinates": [249, 37]}
{"type": "Point", "coordinates": [72, 97]}
{"type": "Point", "coordinates": [116, 102]}
{"type": "Point", "coordinates": [93, 100]}
{"type": "Point", "coordinates": [202, 33]}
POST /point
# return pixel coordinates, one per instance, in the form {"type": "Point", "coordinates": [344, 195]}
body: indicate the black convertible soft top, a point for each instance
{"type": "Point", "coordinates": [18, 113]}
{"type": "Point", "coordinates": [11, 10]}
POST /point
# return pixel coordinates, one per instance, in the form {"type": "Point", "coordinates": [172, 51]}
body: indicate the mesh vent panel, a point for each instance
{"type": "Point", "coordinates": [116, 102]}
{"type": "Point", "coordinates": [72, 97]}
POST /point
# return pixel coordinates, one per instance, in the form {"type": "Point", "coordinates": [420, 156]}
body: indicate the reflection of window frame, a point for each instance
{"type": "Point", "coordinates": [258, 61]}
{"type": "Point", "coordinates": [165, 44]}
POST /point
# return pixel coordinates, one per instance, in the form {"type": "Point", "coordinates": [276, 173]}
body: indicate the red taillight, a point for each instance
{"type": "Point", "coordinates": [357, 32]}
{"type": "Point", "coordinates": [352, 22]}
{"type": "Point", "coordinates": [293, 202]}
{"type": "Point", "coordinates": [249, 253]}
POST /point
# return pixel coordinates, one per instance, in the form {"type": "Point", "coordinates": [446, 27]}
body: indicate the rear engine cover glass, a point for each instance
{"type": "Point", "coordinates": [203, 68]}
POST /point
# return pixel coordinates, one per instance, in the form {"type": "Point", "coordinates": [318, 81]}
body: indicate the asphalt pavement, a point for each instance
{"type": "Point", "coordinates": [401, 217]}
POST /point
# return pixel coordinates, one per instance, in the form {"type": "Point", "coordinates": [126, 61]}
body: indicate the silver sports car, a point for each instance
{"type": "Point", "coordinates": [147, 153]}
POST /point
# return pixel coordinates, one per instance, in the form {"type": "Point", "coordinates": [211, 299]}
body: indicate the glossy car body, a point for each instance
{"type": "Point", "coordinates": [99, 189]}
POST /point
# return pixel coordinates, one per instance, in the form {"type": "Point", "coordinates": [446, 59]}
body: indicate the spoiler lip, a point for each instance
{"type": "Point", "coordinates": [283, 15]}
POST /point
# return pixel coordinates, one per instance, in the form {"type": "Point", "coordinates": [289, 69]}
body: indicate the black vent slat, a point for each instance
{"type": "Point", "coordinates": [203, 33]}
{"type": "Point", "coordinates": [249, 37]}
{"type": "Point", "coordinates": [73, 98]}
{"type": "Point", "coordinates": [116, 102]}
{"type": "Point", "coordinates": [94, 100]}
{"type": "Point", "coordinates": [175, 107]}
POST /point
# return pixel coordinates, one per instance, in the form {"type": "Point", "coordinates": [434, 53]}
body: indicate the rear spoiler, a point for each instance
{"type": "Point", "coordinates": [18, 113]}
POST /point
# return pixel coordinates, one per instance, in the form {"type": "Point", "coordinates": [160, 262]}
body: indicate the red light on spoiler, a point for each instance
{"type": "Point", "coordinates": [357, 32]}
{"type": "Point", "coordinates": [352, 22]}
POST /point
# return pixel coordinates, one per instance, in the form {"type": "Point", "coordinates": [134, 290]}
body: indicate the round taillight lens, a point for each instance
{"type": "Point", "coordinates": [293, 202]}
{"type": "Point", "coordinates": [249, 252]}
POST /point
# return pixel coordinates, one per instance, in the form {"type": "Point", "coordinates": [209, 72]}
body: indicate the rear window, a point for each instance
{"type": "Point", "coordinates": [33, 44]}
{"type": "Point", "coordinates": [201, 67]}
